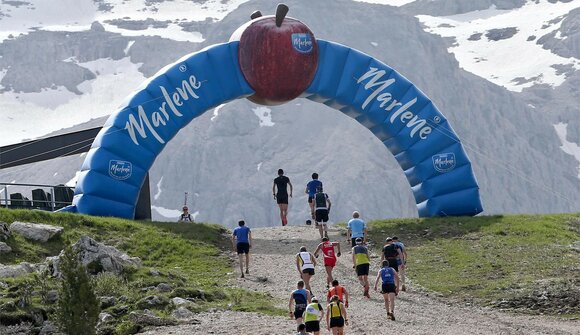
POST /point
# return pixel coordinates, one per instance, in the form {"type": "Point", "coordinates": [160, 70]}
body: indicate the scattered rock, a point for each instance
{"type": "Point", "coordinates": [163, 287]}
{"type": "Point", "coordinates": [4, 231]}
{"type": "Point", "coordinates": [98, 257]}
{"type": "Point", "coordinates": [576, 246]}
{"type": "Point", "coordinates": [52, 296]}
{"type": "Point", "coordinates": [182, 313]}
{"type": "Point", "coordinates": [107, 302]}
{"type": "Point", "coordinates": [48, 328]}
{"type": "Point", "coordinates": [36, 231]}
{"type": "Point", "coordinates": [105, 318]}
{"type": "Point", "coordinates": [262, 279]}
{"type": "Point", "coordinates": [4, 248]}
{"type": "Point", "coordinates": [11, 271]}
{"type": "Point", "coordinates": [152, 301]}
{"type": "Point", "coordinates": [154, 272]}
{"type": "Point", "coordinates": [177, 301]}
{"type": "Point", "coordinates": [121, 310]}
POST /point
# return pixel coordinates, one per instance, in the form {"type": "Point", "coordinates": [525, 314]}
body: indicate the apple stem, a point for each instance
{"type": "Point", "coordinates": [256, 15]}
{"type": "Point", "coordinates": [281, 12]}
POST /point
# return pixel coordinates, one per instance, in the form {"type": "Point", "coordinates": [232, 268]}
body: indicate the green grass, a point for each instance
{"type": "Point", "coordinates": [493, 258]}
{"type": "Point", "coordinates": [187, 256]}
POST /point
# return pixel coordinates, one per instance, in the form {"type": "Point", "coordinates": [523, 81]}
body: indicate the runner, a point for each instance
{"type": "Point", "coordinates": [299, 299]}
{"type": "Point", "coordinates": [338, 290]}
{"type": "Point", "coordinates": [391, 253]}
{"type": "Point", "coordinates": [389, 288]}
{"type": "Point", "coordinates": [336, 316]}
{"type": "Point", "coordinates": [242, 242]}
{"type": "Point", "coordinates": [329, 256]}
{"type": "Point", "coordinates": [361, 262]}
{"type": "Point", "coordinates": [301, 329]}
{"type": "Point", "coordinates": [312, 316]}
{"type": "Point", "coordinates": [356, 228]}
{"type": "Point", "coordinates": [322, 205]}
{"type": "Point", "coordinates": [280, 193]}
{"type": "Point", "coordinates": [185, 216]}
{"type": "Point", "coordinates": [311, 191]}
{"type": "Point", "coordinates": [402, 263]}
{"type": "Point", "coordinates": [305, 263]}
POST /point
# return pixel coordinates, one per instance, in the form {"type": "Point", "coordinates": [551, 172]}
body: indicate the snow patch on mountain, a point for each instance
{"type": "Point", "coordinates": [98, 100]}
{"type": "Point", "coordinates": [568, 147]}
{"type": "Point", "coordinates": [78, 15]}
{"type": "Point", "coordinates": [485, 40]}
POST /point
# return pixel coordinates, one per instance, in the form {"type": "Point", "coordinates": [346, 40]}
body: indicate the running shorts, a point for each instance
{"type": "Point", "coordinates": [362, 270]}
{"type": "Point", "coordinates": [388, 288]}
{"type": "Point", "coordinates": [298, 312]}
{"type": "Point", "coordinates": [337, 322]}
{"type": "Point", "coordinates": [243, 248]}
{"type": "Point", "coordinates": [393, 263]}
{"type": "Point", "coordinates": [322, 215]}
{"type": "Point", "coordinates": [308, 271]}
{"type": "Point", "coordinates": [310, 199]}
{"type": "Point", "coordinates": [312, 326]}
{"type": "Point", "coordinates": [282, 199]}
{"type": "Point", "coordinates": [329, 261]}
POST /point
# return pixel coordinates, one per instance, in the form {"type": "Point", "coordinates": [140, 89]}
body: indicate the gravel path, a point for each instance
{"type": "Point", "coordinates": [273, 258]}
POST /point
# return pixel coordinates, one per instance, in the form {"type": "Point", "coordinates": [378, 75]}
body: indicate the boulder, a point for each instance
{"type": "Point", "coordinates": [163, 287]}
{"type": "Point", "coordinates": [52, 296]}
{"type": "Point", "coordinates": [4, 231]}
{"type": "Point", "coordinates": [148, 319]}
{"type": "Point", "coordinates": [177, 301]}
{"type": "Point", "coordinates": [4, 248]}
{"type": "Point", "coordinates": [182, 313]}
{"type": "Point", "coordinates": [105, 318]}
{"type": "Point", "coordinates": [11, 271]}
{"type": "Point", "coordinates": [48, 328]}
{"type": "Point", "coordinates": [98, 257]}
{"type": "Point", "coordinates": [36, 231]}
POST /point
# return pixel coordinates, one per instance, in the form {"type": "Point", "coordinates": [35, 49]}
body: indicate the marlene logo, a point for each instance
{"type": "Point", "coordinates": [444, 162]}
{"type": "Point", "coordinates": [120, 170]}
{"type": "Point", "coordinates": [160, 117]}
{"type": "Point", "coordinates": [388, 102]}
{"type": "Point", "coordinates": [302, 42]}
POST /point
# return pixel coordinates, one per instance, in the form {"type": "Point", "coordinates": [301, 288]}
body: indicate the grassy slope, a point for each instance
{"type": "Point", "coordinates": [187, 257]}
{"type": "Point", "coordinates": [522, 262]}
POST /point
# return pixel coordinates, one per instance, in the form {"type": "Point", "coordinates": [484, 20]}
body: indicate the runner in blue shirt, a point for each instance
{"type": "Point", "coordinates": [389, 289]}
{"type": "Point", "coordinates": [242, 242]}
{"type": "Point", "coordinates": [311, 191]}
{"type": "Point", "coordinates": [356, 228]}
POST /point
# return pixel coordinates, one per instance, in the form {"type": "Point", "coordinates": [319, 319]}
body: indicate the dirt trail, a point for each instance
{"type": "Point", "coordinates": [273, 257]}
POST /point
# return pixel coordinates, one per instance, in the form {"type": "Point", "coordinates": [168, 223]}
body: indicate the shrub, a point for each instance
{"type": "Point", "coordinates": [110, 284]}
{"type": "Point", "coordinates": [77, 310]}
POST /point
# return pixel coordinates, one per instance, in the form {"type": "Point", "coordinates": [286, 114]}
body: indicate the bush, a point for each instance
{"type": "Point", "coordinates": [109, 284]}
{"type": "Point", "coordinates": [78, 310]}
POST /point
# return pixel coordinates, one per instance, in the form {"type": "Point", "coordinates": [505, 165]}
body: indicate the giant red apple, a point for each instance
{"type": "Point", "coordinates": [278, 56]}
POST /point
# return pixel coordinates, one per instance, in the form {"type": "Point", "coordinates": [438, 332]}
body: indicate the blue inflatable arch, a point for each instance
{"type": "Point", "coordinates": [401, 116]}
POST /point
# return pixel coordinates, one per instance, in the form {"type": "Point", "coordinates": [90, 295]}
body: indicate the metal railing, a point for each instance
{"type": "Point", "coordinates": [11, 196]}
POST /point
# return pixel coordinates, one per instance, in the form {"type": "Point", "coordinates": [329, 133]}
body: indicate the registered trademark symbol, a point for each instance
{"type": "Point", "coordinates": [437, 119]}
{"type": "Point", "coordinates": [182, 68]}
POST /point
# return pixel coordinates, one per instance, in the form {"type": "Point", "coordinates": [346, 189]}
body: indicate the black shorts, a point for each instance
{"type": "Point", "coordinates": [298, 312]}
{"type": "Point", "coordinates": [362, 270]}
{"type": "Point", "coordinates": [282, 199]}
{"type": "Point", "coordinates": [322, 215]}
{"type": "Point", "coordinates": [393, 263]}
{"type": "Point", "coordinates": [310, 199]}
{"type": "Point", "coordinates": [388, 288]}
{"type": "Point", "coordinates": [308, 271]}
{"type": "Point", "coordinates": [243, 248]}
{"type": "Point", "coordinates": [337, 322]}
{"type": "Point", "coordinates": [312, 326]}
{"type": "Point", "coordinates": [353, 241]}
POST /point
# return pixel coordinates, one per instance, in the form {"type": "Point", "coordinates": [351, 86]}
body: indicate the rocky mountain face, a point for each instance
{"type": "Point", "coordinates": [227, 158]}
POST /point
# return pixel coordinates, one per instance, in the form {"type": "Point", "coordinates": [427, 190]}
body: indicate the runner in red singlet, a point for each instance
{"type": "Point", "coordinates": [327, 249]}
